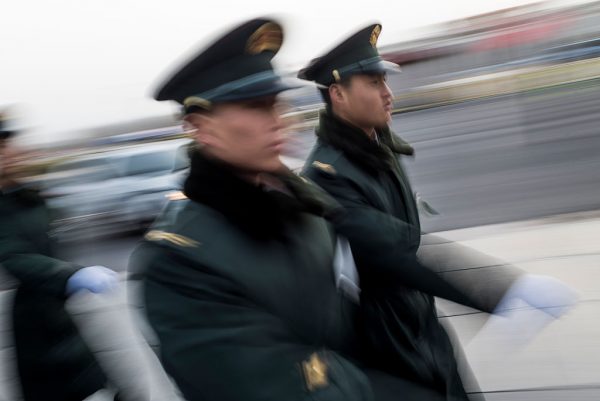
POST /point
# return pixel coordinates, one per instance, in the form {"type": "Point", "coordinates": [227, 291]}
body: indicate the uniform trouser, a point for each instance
{"type": "Point", "coordinates": [53, 361]}
{"type": "Point", "coordinates": [402, 336]}
{"type": "Point", "coordinates": [390, 388]}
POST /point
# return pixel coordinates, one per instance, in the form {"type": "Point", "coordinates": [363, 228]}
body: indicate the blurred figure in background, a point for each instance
{"type": "Point", "coordinates": [357, 160]}
{"type": "Point", "coordinates": [53, 361]}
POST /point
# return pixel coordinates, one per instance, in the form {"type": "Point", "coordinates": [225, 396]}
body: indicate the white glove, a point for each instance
{"type": "Point", "coordinates": [96, 279]}
{"type": "Point", "coordinates": [513, 325]}
{"type": "Point", "coordinates": [346, 275]}
{"type": "Point", "coordinates": [545, 293]}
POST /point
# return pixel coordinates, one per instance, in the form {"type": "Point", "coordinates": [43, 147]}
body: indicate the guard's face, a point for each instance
{"type": "Point", "coordinates": [246, 134]}
{"type": "Point", "coordinates": [366, 101]}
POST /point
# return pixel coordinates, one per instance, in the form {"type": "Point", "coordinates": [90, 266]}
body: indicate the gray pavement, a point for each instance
{"type": "Point", "coordinates": [528, 350]}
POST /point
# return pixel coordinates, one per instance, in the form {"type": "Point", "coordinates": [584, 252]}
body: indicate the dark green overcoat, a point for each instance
{"type": "Point", "coordinates": [240, 289]}
{"type": "Point", "coordinates": [53, 361]}
{"type": "Point", "coordinates": [400, 327]}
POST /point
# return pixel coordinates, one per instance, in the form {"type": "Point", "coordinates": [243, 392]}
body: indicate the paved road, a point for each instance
{"type": "Point", "coordinates": [507, 159]}
{"type": "Point", "coordinates": [111, 252]}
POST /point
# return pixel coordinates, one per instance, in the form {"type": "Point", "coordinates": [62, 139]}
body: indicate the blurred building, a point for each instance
{"type": "Point", "coordinates": [497, 53]}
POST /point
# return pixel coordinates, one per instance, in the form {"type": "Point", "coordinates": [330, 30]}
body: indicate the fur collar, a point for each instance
{"type": "Point", "coordinates": [357, 146]}
{"type": "Point", "coordinates": [259, 212]}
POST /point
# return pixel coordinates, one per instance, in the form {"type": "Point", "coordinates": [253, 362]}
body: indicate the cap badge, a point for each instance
{"type": "Point", "coordinates": [375, 35]}
{"type": "Point", "coordinates": [268, 37]}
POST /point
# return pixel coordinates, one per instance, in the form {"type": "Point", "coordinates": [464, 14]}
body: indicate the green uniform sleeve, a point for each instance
{"type": "Point", "coordinates": [218, 344]}
{"type": "Point", "coordinates": [474, 272]}
{"type": "Point", "coordinates": [382, 245]}
{"type": "Point", "coordinates": [21, 258]}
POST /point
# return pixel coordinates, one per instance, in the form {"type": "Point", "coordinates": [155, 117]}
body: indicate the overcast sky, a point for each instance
{"type": "Point", "coordinates": [78, 63]}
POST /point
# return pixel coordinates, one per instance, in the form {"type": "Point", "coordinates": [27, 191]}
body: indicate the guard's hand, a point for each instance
{"type": "Point", "coordinates": [97, 279]}
{"type": "Point", "coordinates": [545, 293]}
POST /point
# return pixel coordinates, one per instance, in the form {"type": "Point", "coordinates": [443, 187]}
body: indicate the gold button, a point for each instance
{"type": "Point", "coordinates": [315, 372]}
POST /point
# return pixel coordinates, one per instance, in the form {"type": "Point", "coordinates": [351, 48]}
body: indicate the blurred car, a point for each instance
{"type": "Point", "coordinates": [115, 191]}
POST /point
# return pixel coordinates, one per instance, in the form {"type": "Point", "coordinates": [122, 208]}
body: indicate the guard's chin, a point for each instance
{"type": "Point", "coordinates": [384, 124]}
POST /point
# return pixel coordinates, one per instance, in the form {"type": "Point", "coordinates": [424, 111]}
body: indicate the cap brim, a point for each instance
{"type": "Point", "coordinates": [391, 67]}
{"type": "Point", "coordinates": [252, 87]}
{"type": "Point", "coordinates": [271, 86]}
{"type": "Point", "coordinates": [380, 66]}
{"type": "Point", "coordinates": [265, 85]}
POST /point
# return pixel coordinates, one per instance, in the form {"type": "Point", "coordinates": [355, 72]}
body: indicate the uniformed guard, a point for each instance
{"type": "Point", "coordinates": [358, 160]}
{"type": "Point", "coordinates": [53, 361]}
{"type": "Point", "coordinates": [237, 277]}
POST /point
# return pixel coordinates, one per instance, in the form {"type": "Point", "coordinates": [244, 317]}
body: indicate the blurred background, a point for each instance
{"type": "Point", "coordinates": [502, 109]}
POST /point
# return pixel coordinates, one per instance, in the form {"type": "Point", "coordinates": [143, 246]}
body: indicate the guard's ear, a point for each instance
{"type": "Point", "coordinates": [336, 93]}
{"type": "Point", "coordinates": [188, 127]}
{"type": "Point", "coordinates": [199, 127]}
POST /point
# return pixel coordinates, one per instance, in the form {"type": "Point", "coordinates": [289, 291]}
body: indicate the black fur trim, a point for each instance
{"type": "Point", "coordinates": [357, 146]}
{"type": "Point", "coordinates": [262, 213]}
